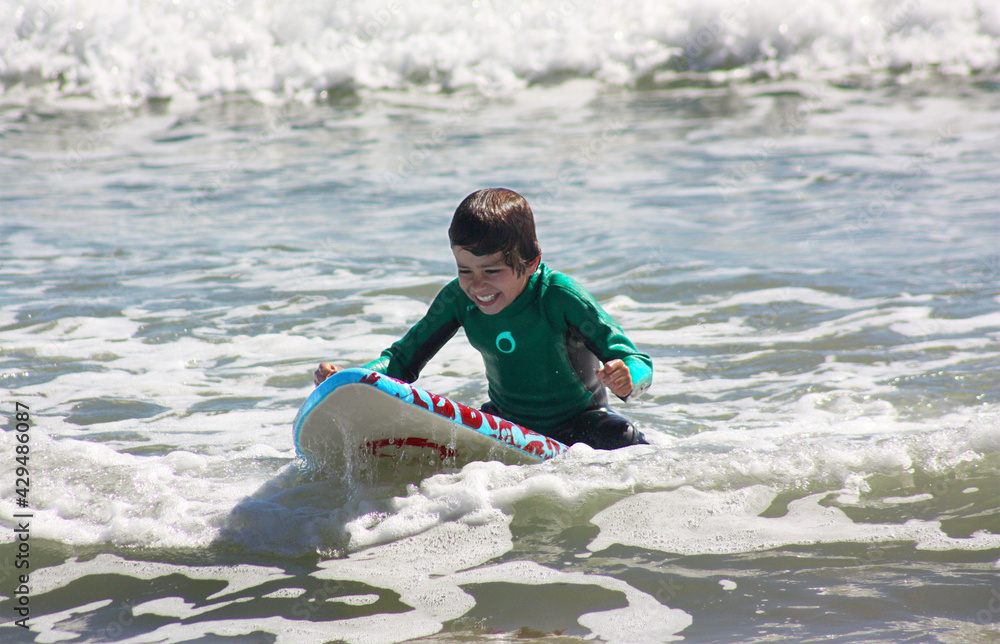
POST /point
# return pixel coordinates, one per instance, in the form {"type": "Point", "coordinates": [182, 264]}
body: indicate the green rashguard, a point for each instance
{"type": "Point", "coordinates": [541, 352]}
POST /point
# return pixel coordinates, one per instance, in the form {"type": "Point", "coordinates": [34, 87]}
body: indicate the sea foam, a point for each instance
{"type": "Point", "coordinates": [127, 53]}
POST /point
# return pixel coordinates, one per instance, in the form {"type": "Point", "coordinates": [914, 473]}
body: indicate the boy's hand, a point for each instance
{"type": "Point", "coordinates": [615, 376]}
{"type": "Point", "coordinates": [324, 371]}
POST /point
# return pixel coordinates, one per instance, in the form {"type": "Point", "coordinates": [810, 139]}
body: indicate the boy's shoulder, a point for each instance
{"type": "Point", "coordinates": [560, 280]}
{"type": "Point", "coordinates": [561, 285]}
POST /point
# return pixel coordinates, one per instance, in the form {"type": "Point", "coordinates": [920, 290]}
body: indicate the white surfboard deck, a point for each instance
{"type": "Point", "coordinates": [368, 425]}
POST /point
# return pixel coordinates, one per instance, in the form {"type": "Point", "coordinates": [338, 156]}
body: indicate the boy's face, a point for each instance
{"type": "Point", "coordinates": [488, 281]}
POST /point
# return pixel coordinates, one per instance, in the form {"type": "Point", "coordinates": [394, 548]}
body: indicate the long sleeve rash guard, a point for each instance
{"type": "Point", "coordinates": [541, 352]}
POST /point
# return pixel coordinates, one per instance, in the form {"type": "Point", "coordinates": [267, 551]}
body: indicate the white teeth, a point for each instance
{"type": "Point", "coordinates": [487, 300]}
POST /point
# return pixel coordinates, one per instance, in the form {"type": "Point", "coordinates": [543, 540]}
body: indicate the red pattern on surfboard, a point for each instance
{"type": "Point", "coordinates": [535, 443]}
{"type": "Point", "coordinates": [410, 441]}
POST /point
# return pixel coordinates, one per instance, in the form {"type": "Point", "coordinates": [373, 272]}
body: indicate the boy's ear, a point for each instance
{"type": "Point", "coordinates": [533, 264]}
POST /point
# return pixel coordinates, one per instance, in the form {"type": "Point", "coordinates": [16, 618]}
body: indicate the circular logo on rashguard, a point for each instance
{"type": "Point", "coordinates": [505, 342]}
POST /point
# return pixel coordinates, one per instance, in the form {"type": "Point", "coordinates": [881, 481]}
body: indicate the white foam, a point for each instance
{"type": "Point", "coordinates": [796, 294]}
{"type": "Point", "coordinates": [395, 310]}
{"type": "Point", "coordinates": [356, 600]}
{"type": "Point", "coordinates": [239, 577]}
{"type": "Point", "coordinates": [428, 570]}
{"type": "Point", "coordinates": [98, 495]}
{"type": "Point", "coordinates": [900, 500]}
{"type": "Point", "coordinates": [418, 568]}
{"type": "Point", "coordinates": [645, 619]}
{"type": "Point", "coordinates": [922, 324]}
{"type": "Point", "coordinates": [691, 522]}
{"type": "Point", "coordinates": [179, 624]}
{"type": "Point", "coordinates": [185, 50]}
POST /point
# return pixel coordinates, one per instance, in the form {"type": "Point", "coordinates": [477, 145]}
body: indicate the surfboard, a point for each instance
{"type": "Point", "coordinates": [358, 421]}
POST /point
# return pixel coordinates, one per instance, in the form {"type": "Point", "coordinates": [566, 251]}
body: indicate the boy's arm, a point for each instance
{"type": "Point", "coordinates": [626, 377]}
{"type": "Point", "coordinates": [641, 368]}
{"type": "Point", "coordinates": [602, 336]}
{"type": "Point", "coordinates": [406, 358]}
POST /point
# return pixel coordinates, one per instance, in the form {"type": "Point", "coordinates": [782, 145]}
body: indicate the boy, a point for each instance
{"type": "Point", "coordinates": [542, 336]}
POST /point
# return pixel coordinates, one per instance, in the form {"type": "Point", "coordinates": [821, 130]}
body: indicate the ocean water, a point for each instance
{"type": "Point", "coordinates": [795, 210]}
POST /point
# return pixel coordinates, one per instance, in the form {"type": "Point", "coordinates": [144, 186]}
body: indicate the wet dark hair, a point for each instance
{"type": "Point", "coordinates": [496, 220]}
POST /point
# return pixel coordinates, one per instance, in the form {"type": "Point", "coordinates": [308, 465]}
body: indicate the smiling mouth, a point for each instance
{"type": "Point", "coordinates": [487, 300]}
